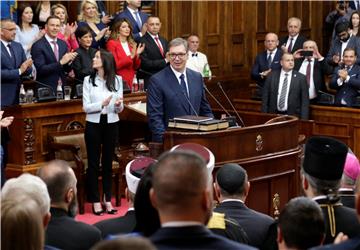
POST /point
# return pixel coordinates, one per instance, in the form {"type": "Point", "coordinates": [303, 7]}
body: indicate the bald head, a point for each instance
{"type": "Point", "coordinates": [59, 178]}
{"type": "Point", "coordinates": [271, 41]}
{"type": "Point", "coordinates": [181, 180]}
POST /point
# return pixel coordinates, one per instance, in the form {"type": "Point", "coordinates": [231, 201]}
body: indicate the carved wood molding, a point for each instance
{"type": "Point", "coordinates": [29, 141]}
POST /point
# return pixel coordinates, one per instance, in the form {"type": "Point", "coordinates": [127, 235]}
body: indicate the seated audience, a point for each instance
{"type": "Point", "coordinates": [348, 180]}
{"type": "Point", "coordinates": [286, 91]}
{"type": "Point", "coordinates": [50, 56]}
{"type": "Point", "coordinates": [83, 63]}
{"type": "Point", "coordinates": [153, 59]}
{"type": "Point", "coordinates": [132, 12]}
{"type": "Point", "coordinates": [126, 224]}
{"type": "Point", "coordinates": [321, 174]}
{"type": "Point", "coordinates": [13, 64]}
{"type": "Point", "coordinates": [125, 243]}
{"type": "Point", "coordinates": [181, 180]}
{"type": "Point", "coordinates": [197, 61]}
{"type": "Point", "coordinates": [342, 42]}
{"type": "Point", "coordinates": [231, 189]}
{"type": "Point", "coordinates": [301, 225]}
{"type": "Point", "coordinates": [89, 16]}
{"type": "Point", "coordinates": [26, 32]}
{"type": "Point", "coordinates": [67, 31]}
{"type": "Point", "coordinates": [125, 50]}
{"type": "Point", "coordinates": [64, 231]}
{"type": "Point", "coordinates": [21, 224]}
{"type": "Point", "coordinates": [346, 80]}
{"type": "Point", "coordinates": [314, 67]}
{"type": "Point", "coordinates": [267, 60]}
{"type": "Point", "coordinates": [354, 23]}
{"type": "Point", "coordinates": [293, 41]}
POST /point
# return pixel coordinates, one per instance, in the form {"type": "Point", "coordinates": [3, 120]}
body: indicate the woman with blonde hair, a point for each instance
{"type": "Point", "coordinates": [126, 53]}
{"type": "Point", "coordinates": [89, 16]}
{"type": "Point", "coordinates": [67, 31]}
{"type": "Point", "coordinates": [21, 224]}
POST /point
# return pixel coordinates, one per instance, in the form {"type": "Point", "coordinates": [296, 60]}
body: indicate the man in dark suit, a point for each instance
{"type": "Point", "coordinates": [314, 67]}
{"type": "Point", "coordinates": [342, 42]}
{"type": "Point", "coordinates": [153, 58]}
{"type": "Point", "coordinates": [137, 18]}
{"type": "Point", "coordinates": [267, 60]}
{"type": "Point", "coordinates": [231, 189]}
{"type": "Point", "coordinates": [175, 91]}
{"type": "Point", "coordinates": [13, 64]}
{"type": "Point", "coordinates": [301, 225]}
{"type": "Point", "coordinates": [64, 231]}
{"type": "Point", "coordinates": [182, 194]}
{"type": "Point", "coordinates": [286, 91]}
{"type": "Point", "coordinates": [294, 40]}
{"type": "Point", "coordinates": [346, 80]}
{"type": "Point", "coordinates": [321, 173]}
{"type": "Point", "coordinates": [50, 56]}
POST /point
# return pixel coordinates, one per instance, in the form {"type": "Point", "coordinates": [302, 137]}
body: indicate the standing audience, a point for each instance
{"type": "Point", "coordinates": [42, 13]}
{"type": "Point", "coordinates": [354, 23]}
{"type": "Point", "coordinates": [293, 41]}
{"type": "Point", "coordinates": [102, 102]}
{"type": "Point", "coordinates": [197, 61]}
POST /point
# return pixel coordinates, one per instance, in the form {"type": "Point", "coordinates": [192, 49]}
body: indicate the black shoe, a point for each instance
{"type": "Point", "coordinates": [97, 213]}
{"type": "Point", "coordinates": [112, 211]}
{"type": "Point", "coordinates": [109, 209]}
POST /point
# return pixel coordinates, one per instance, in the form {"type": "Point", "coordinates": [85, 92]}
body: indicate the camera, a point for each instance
{"type": "Point", "coordinates": [305, 53]}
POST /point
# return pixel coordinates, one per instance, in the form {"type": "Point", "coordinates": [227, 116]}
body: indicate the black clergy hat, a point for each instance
{"type": "Point", "coordinates": [324, 158]}
{"type": "Point", "coordinates": [231, 177]}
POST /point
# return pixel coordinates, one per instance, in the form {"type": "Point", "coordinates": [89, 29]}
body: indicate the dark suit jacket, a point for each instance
{"type": "Point", "coordinates": [121, 225]}
{"type": "Point", "coordinates": [10, 78]}
{"type": "Point", "coordinates": [345, 221]}
{"type": "Point", "coordinates": [261, 65]}
{"type": "Point", "coordinates": [298, 43]}
{"type": "Point", "coordinates": [298, 100]}
{"type": "Point", "coordinates": [65, 233]}
{"type": "Point", "coordinates": [335, 49]}
{"type": "Point", "coordinates": [166, 100]}
{"type": "Point", "coordinates": [48, 69]}
{"type": "Point", "coordinates": [349, 90]}
{"type": "Point", "coordinates": [255, 224]}
{"type": "Point", "coordinates": [151, 59]}
{"type": "Point", "coordinates": [82, 65]}
{"type": "Point", "coordinates": [192, 237]}
{"type": "Point", "coordinates": [347, 198]}
{"type": "Point", "coordinates": [126, 14]}
{"type": "Point", "coordinates": [321, 68]}
{"type": "Point", "coordinates": [351, 244]}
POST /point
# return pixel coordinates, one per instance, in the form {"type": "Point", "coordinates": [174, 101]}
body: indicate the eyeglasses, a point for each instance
{"type": "Point", "coordinates": [180, 55]}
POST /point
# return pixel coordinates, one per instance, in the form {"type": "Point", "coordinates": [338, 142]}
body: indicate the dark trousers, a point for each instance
{"type": "Point", "coordinates": [100, 139]}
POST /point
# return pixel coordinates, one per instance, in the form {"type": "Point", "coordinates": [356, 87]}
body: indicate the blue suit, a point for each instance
{"type": "Point", "coordinates": [348, 90]}
{"type": "Point", "coordinates": [10, 78]}
{"type": "Point", "coordinates": [335, 49]}
{"type": "Point", "coordinates": [49, 70]}
{"type": "Point", "coordinates": [261, 65]}
{"type": "Point", "coordinates": [166, 100]}
{"type": "Point", "coordinates": [136, 29]}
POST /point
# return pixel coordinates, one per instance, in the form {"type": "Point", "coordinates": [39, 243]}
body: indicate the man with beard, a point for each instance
{"type": "Point", "coordinates": [181, 181]}
{"type": "Point", "coordinates": [63, 231]}
{"type": "Point", "coordinates": [342, 42]}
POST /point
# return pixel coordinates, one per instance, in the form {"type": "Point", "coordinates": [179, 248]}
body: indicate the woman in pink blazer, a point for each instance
{"type": "Point", "coordinates": [123, 47]}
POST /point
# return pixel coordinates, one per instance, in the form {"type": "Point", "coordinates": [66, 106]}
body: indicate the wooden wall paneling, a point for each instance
{"type": "Point", "coordinates": [215, 36]}
{"type": "Point", "coordinates": [238, 53]}
{"type": "Point", "coordinates": [284, 16]}
{"type": "Point", "coordinates": [356, 147]}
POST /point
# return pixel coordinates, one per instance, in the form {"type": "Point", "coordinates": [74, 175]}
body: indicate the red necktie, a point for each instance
{"type": "Point", "coordinates": [290, 45]}
{"type": "Point", "coordinates": [159, 45]}
{"type": "Point", "coordinates": [308, 72]}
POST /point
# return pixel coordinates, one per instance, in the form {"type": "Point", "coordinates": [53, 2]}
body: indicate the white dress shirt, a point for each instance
{"type": "Point", "coordinates": [93, 98]}
{"type": "Point", "coordinates": [282, 77]}
{"type": "Point", "coordinates": [196, 63]}
{"type": "Point", "coordinates": [302, 70]}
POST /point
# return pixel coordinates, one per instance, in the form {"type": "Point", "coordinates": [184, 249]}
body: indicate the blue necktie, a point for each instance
{"type": "Point", "coordinates": [183, 85]}
{"type": "Point", "coordinates": [12, 54]}
{"type": "Point", "coordinates": [137, 19]}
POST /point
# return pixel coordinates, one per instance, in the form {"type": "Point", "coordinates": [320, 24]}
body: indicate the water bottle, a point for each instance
{"type": "Point", "coordinates": [135, 85]}
{"type": "Point", "coordinates": [22, 98]}
{"type": "Point", "coordinates": [206, 70]}
{"type": "Point", "coordinates": [59, 92]}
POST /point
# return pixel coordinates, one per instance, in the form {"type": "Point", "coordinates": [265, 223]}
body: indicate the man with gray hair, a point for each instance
{"type": "Point", "coordinates": [31, 186]}
{"type": "Point", "coordinates": [175, 91]}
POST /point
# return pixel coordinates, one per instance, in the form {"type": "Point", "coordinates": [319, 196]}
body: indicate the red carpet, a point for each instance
{"type": "Point", "coordinates": [89, 218]}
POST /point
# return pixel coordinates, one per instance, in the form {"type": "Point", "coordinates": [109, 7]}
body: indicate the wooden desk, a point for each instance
{"type": "Point", "coordinates": [269, 152]}
{"type": "Point", "coordinates": [339, 122]}
{"type": "Point", "coordinates": [28, 146]}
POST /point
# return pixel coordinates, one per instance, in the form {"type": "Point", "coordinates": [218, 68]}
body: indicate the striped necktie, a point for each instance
{"type": "Point", "coordinates": [283, 92]}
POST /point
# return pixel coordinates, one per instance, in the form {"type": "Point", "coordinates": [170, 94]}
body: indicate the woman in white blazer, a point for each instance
{"type": "Point", "coordinates": [102, 102]}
